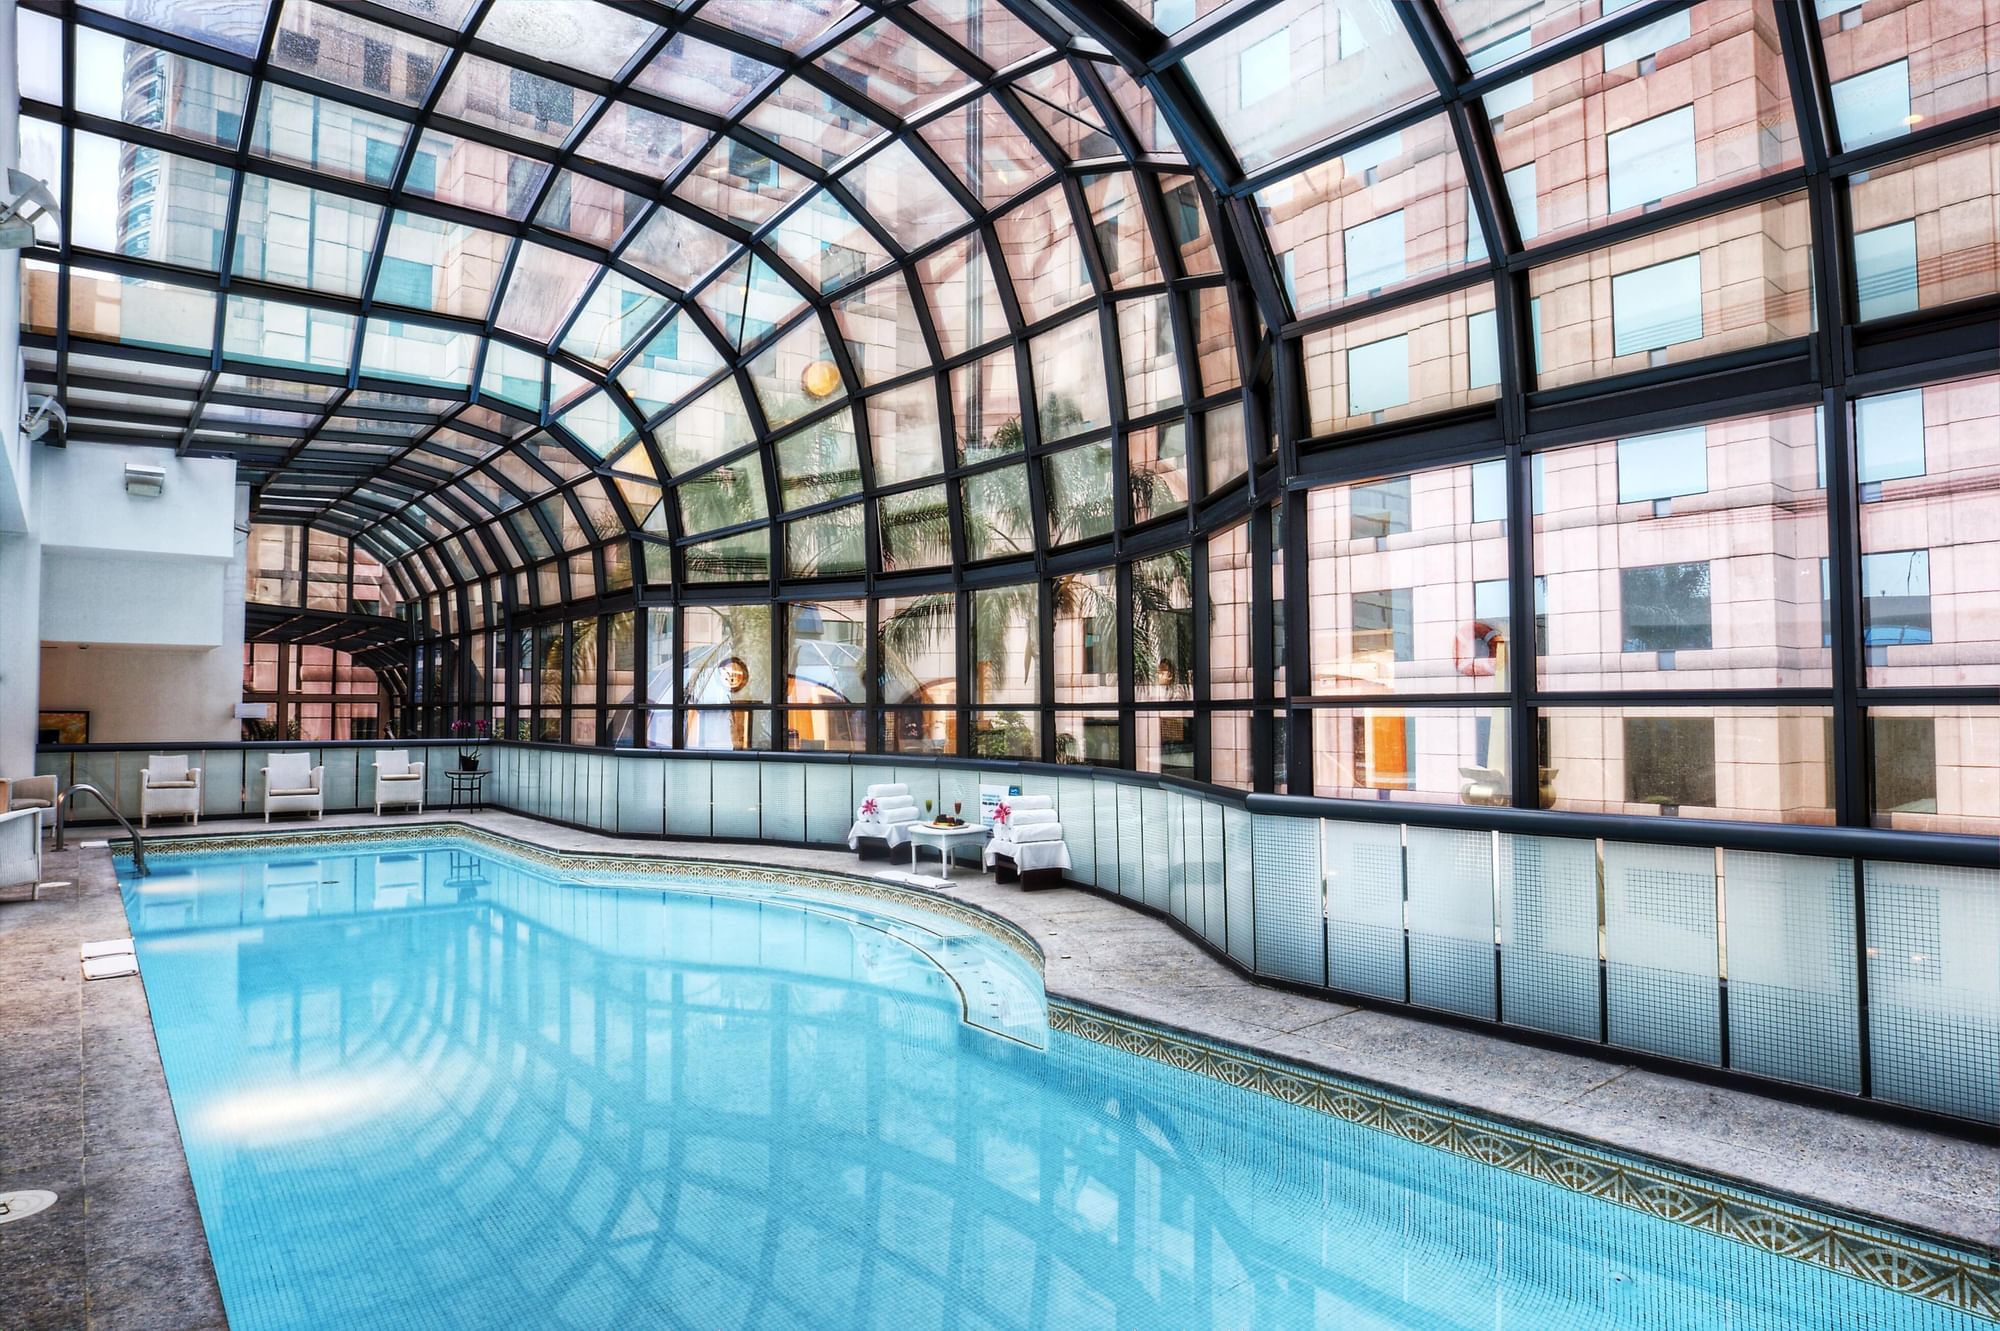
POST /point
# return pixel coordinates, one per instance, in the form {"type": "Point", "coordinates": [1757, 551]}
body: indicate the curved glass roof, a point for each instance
{"type": "Point", "coordinates": [832, 289]}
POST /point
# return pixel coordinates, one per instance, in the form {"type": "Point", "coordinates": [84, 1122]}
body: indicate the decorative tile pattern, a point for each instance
{"type": "Point", "coordinates": [1905, 1265]}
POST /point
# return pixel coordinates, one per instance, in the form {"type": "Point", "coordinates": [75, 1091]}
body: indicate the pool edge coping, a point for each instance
{"type": "Point", "coordinates": [1905, 1259]}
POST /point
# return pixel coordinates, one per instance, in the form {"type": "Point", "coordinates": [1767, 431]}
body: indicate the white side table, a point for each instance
{"type": "Point", "coordinates": [944, 838]}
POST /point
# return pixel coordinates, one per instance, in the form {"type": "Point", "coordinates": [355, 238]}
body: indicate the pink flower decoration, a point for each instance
{"type": "Point", "coordinates": [1002, 812]}
{"type": "Point", "coordinates": [868, 807]}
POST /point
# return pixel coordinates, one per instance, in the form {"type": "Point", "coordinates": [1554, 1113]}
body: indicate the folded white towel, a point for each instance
{"type": "Point", "coordinates": [893, 801]}
{"type": "Point", "coordinates": [1031, 801]}
{"type": "Point", "coordinates": [897, 816]}
{"type": "Point", "coordinates": [1038, 832]}
{"type": "Point", "coordinates": [894, 788]}
{"type": "Point", "coordinates": [1029, 817]}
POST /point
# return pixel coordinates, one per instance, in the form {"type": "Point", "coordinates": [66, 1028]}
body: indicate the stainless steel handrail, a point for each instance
{"type": "Point", "coordinates": [138, 842]}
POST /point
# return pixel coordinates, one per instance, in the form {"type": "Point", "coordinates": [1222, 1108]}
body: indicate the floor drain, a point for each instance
{"type": "Point", "coordinates": [21, 1205]}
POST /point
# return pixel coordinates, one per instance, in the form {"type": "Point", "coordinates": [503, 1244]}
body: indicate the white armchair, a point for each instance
{"type": "Point", "coordinates": [31, 792]}
{"type": "Point", "coordinates": [398, 781]}
{"type": "Point", "coordinates": [293, 785]}
{"type": "Point", "coordinates": [169, 788]}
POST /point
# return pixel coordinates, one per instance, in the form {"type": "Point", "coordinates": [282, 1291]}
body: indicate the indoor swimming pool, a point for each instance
{"type": "Point", "coordinates": [445, 1084]}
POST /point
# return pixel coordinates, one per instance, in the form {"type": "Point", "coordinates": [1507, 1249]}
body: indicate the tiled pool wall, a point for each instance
{"type": "Point", "coordinates": [1877, 979]}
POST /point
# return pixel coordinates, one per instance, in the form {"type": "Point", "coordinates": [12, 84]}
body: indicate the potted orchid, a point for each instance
{"type": "Point", "coordinates": [469, 734]}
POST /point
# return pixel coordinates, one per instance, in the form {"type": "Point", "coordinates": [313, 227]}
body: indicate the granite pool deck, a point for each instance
{"type": "Point", "coordinates": [84, 1110]}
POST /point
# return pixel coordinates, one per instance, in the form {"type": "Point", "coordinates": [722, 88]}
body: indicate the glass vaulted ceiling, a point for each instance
{"type": "Point", "coordinates": [754, 290]}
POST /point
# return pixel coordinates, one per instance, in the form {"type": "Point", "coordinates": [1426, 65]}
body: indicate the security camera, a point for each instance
{"type": "Point", "coordinates": [32, 202]}
{"type": "Point", "coordinates": [43, 412]}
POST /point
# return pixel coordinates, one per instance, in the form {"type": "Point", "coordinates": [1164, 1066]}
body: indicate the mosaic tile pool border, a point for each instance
{"type": "Point", "coordinates": [580, 864]}
{"type": "Point", "coordinates": [1905, 1265]}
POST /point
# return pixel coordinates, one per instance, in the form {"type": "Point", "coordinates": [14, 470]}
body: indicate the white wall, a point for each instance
{"type": "Point", "coordinates": [141, 600]}
{"type": "Point", "coordinates": [20, 557]}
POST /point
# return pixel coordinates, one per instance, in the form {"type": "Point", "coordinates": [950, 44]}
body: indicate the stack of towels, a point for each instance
{"type": "Point", "coordinates": [886, 813]}
{"type": "Point", "coordinates": [1025, 830]}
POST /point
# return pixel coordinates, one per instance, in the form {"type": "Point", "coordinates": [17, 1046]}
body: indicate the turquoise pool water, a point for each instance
{"type": "Point", "coordinates": [437, 1088]}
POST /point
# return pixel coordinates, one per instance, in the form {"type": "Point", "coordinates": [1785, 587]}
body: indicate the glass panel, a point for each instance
{"type": "Point", "coordinates": [1118, 224]}
{"type": "Point", "coordinates": [998, 522]}
{"type": "Point", "coordinates": [986, 406]}
{"type": "Point", "coordinates": [444, 267]}
{"type": "Point", "coordinates": [1079, 486]}
{"type": "Point", "coordinates": [696, 74]}
{"type": "Point", "coordinates": [418, 354]}
{"type": "Point", "coordinates": [1895, 67]}
{"type": "Point", "coordinates": [279, 334]}
{"type": "Point", "coordinates": [324, 135]}
{"type": "Point", "coordinates": [139, 84]}
{"type": "Point", "coordinates": [903, 430]}
{"type": "Point", "coordinates": [714, 424]}
{"type": "Point", "coordinates": [916, 529]}
{"type": "Point", "coordinates": [987, 149]}
{"type": "Point", "coordinates": [965, 303]}
{"type": "Point", "coordinates": [641, 141]}
{"type": "Point", "coordinates": [1934, 768]}
{"type": "Point", "coordinates": [723, 496]}
{"type": "Point", "coordinates": [818, 463]}
{"type": "Point", "coordinates": [1304, 71]}
{"type": "Point", "coordinates": [1426, 755]}
{"type": "Point", "coordinates": [744, 557]}
{"type": "Point", "coordinates": [542, 289]}
{"type": "Point", "coordinates": [1930, 565]}
{"type": "Point", "coordinates": [1387, 213]}
{"type": "Point", "coordinates": [826, 651]}
{"type": "Point", "coordinates": [1764, 764]}
{"type": "Point", "coordinates": [167, 208]}
{"type": "Point", "coordinates": [1714, 586]}
{"type": "Point", "coordinates": [825, 245]}
{"type": "Point", "coordinates": [1086, 613]}
{"type": "Point", "coordinates": [795, 375]}
{"type": "Point", "coordinates": [303, 237]}
{"type": "Point", "coordinates": [1157, 470]}
{"type": "Point", "coordinates": [582, 34]}
{"type": "Point", "coordinates": [1681, 107]}
{"type": "Point", "coordinates": [127, 310]}
{"type": "Point", "coordinates": [1146, 350]}
{"type": "Point", "coordinates": [919, 636]}
{"type": "Point", "coordinates": [814, 124]}
{"type": "Point", "coordinates": [1725, 283]}
{"type": "Point", "coordinates": [1439, 355]}
{"type": "Point", "coordinates": [1393, 569]}
{"type": "Point", "coordinates": [343, 49]}
{"type": "Point", "coordinates": [1038, 246]}
{"type": "Point", "coordinates": [884, 338]}
{"type": "Point", "coordinates": [725, 664]}
{"type": "Point", "coordinates": [1068, 366]}
{"type": "Point", "coordinates": [1926, 231]}
{"type": "Point", "coordinates": [826, 544]}
{"type": "Point", "coordinates": [1006, 646]}
{"type": "Point", "coordinates": [736, 181]}
{"type": "Point", "coordinates": [677, 360]}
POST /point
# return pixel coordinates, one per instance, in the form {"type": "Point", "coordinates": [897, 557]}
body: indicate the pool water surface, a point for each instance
{"type": "Point", "coordinates": [440, 1088]}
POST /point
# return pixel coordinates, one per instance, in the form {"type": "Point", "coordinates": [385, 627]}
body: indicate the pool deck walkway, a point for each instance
{"type": "Point", "coordinates": [84, 1110]}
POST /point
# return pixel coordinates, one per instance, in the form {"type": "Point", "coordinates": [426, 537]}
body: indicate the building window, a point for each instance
{"type": "Point", "coordinates": [1885, 270]}
{"type": "Point", "coordinates": [1670, 761]}
{"type": "Point", "coordinates": [1378, 375]}
{"type": "Point", "coordinates": [1651, 160]}
{"type": "Point", "coordinates": [1889, 437]}
{"type": "Point", "coordinates": [1482, 350]}
{"type": "Point", "coordinates": [1656, 306]}
{"type": "Point", "coordinates": [1489, 491]}
{"type": "Point", "coordinates": [1666, 607]}
{"type": "Point", "coordinates": [404, 282]}
{"type": "Point", "coordinates": [1379, 508]}
{"type": "Point", "coordinates": [1904, 751]}
{"type": "Point", "coordinates": [375, 65]}
{"type": "Point", "coordinates": [1373, 254]}
{"type": "Point", "coordinates": [295, 50]}
{"type": "Point", "coordinates": [1383, 626]}
{"type": "Point", "coordinates": [1264, 68]}
{"type": "Point", "coordinates": [1873, 106]}
{"type": "Point", "coordinates": [1663, 466]}
{"type": "Point", "coordinates": [1896, 598]}
{"type": "Point", "coordinates": [1646, 42]}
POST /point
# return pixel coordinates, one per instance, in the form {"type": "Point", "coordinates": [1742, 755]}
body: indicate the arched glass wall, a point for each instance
{"type": "Point", "coordinates": [1550, 403]}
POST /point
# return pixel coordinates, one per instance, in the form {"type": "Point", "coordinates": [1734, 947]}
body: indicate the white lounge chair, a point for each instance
{"type": "Point", "coordinates": [398, 781]}
{"type": "Point", "coordinates": [169, 788]}
{"type": "Point", "coordinates": [293, 785]}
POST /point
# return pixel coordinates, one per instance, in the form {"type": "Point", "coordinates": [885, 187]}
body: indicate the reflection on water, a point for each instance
{"type": "Point", "coordinates": [436, 1091]}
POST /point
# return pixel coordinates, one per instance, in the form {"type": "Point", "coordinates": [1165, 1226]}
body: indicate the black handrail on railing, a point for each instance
{"type": "Point", "coordinates": [62, 808]}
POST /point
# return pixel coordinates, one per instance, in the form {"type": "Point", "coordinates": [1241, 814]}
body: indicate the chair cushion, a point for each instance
{"type": "Point", "coordinates": [285, 794]}
{"type": "Point", "coordinates": [288, 772]}
{"type": "Point", "coordinates": [166, 769]}
{"type": "Point", "coordinates": [397, 776]}
{"type": "Point", "coordinates": [170, 785]}
{"type": "Point", "coordinates": [392, 762]}
{"type": "Point", "coordinates": [24, 803]}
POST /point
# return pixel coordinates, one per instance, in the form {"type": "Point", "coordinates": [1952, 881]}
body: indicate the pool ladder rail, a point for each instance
{"type": "Point", "coordinates": [62, 807]}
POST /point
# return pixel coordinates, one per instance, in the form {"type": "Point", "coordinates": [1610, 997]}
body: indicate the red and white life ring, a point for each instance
{"type": "Point", "coordinates": [1465, 648]}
